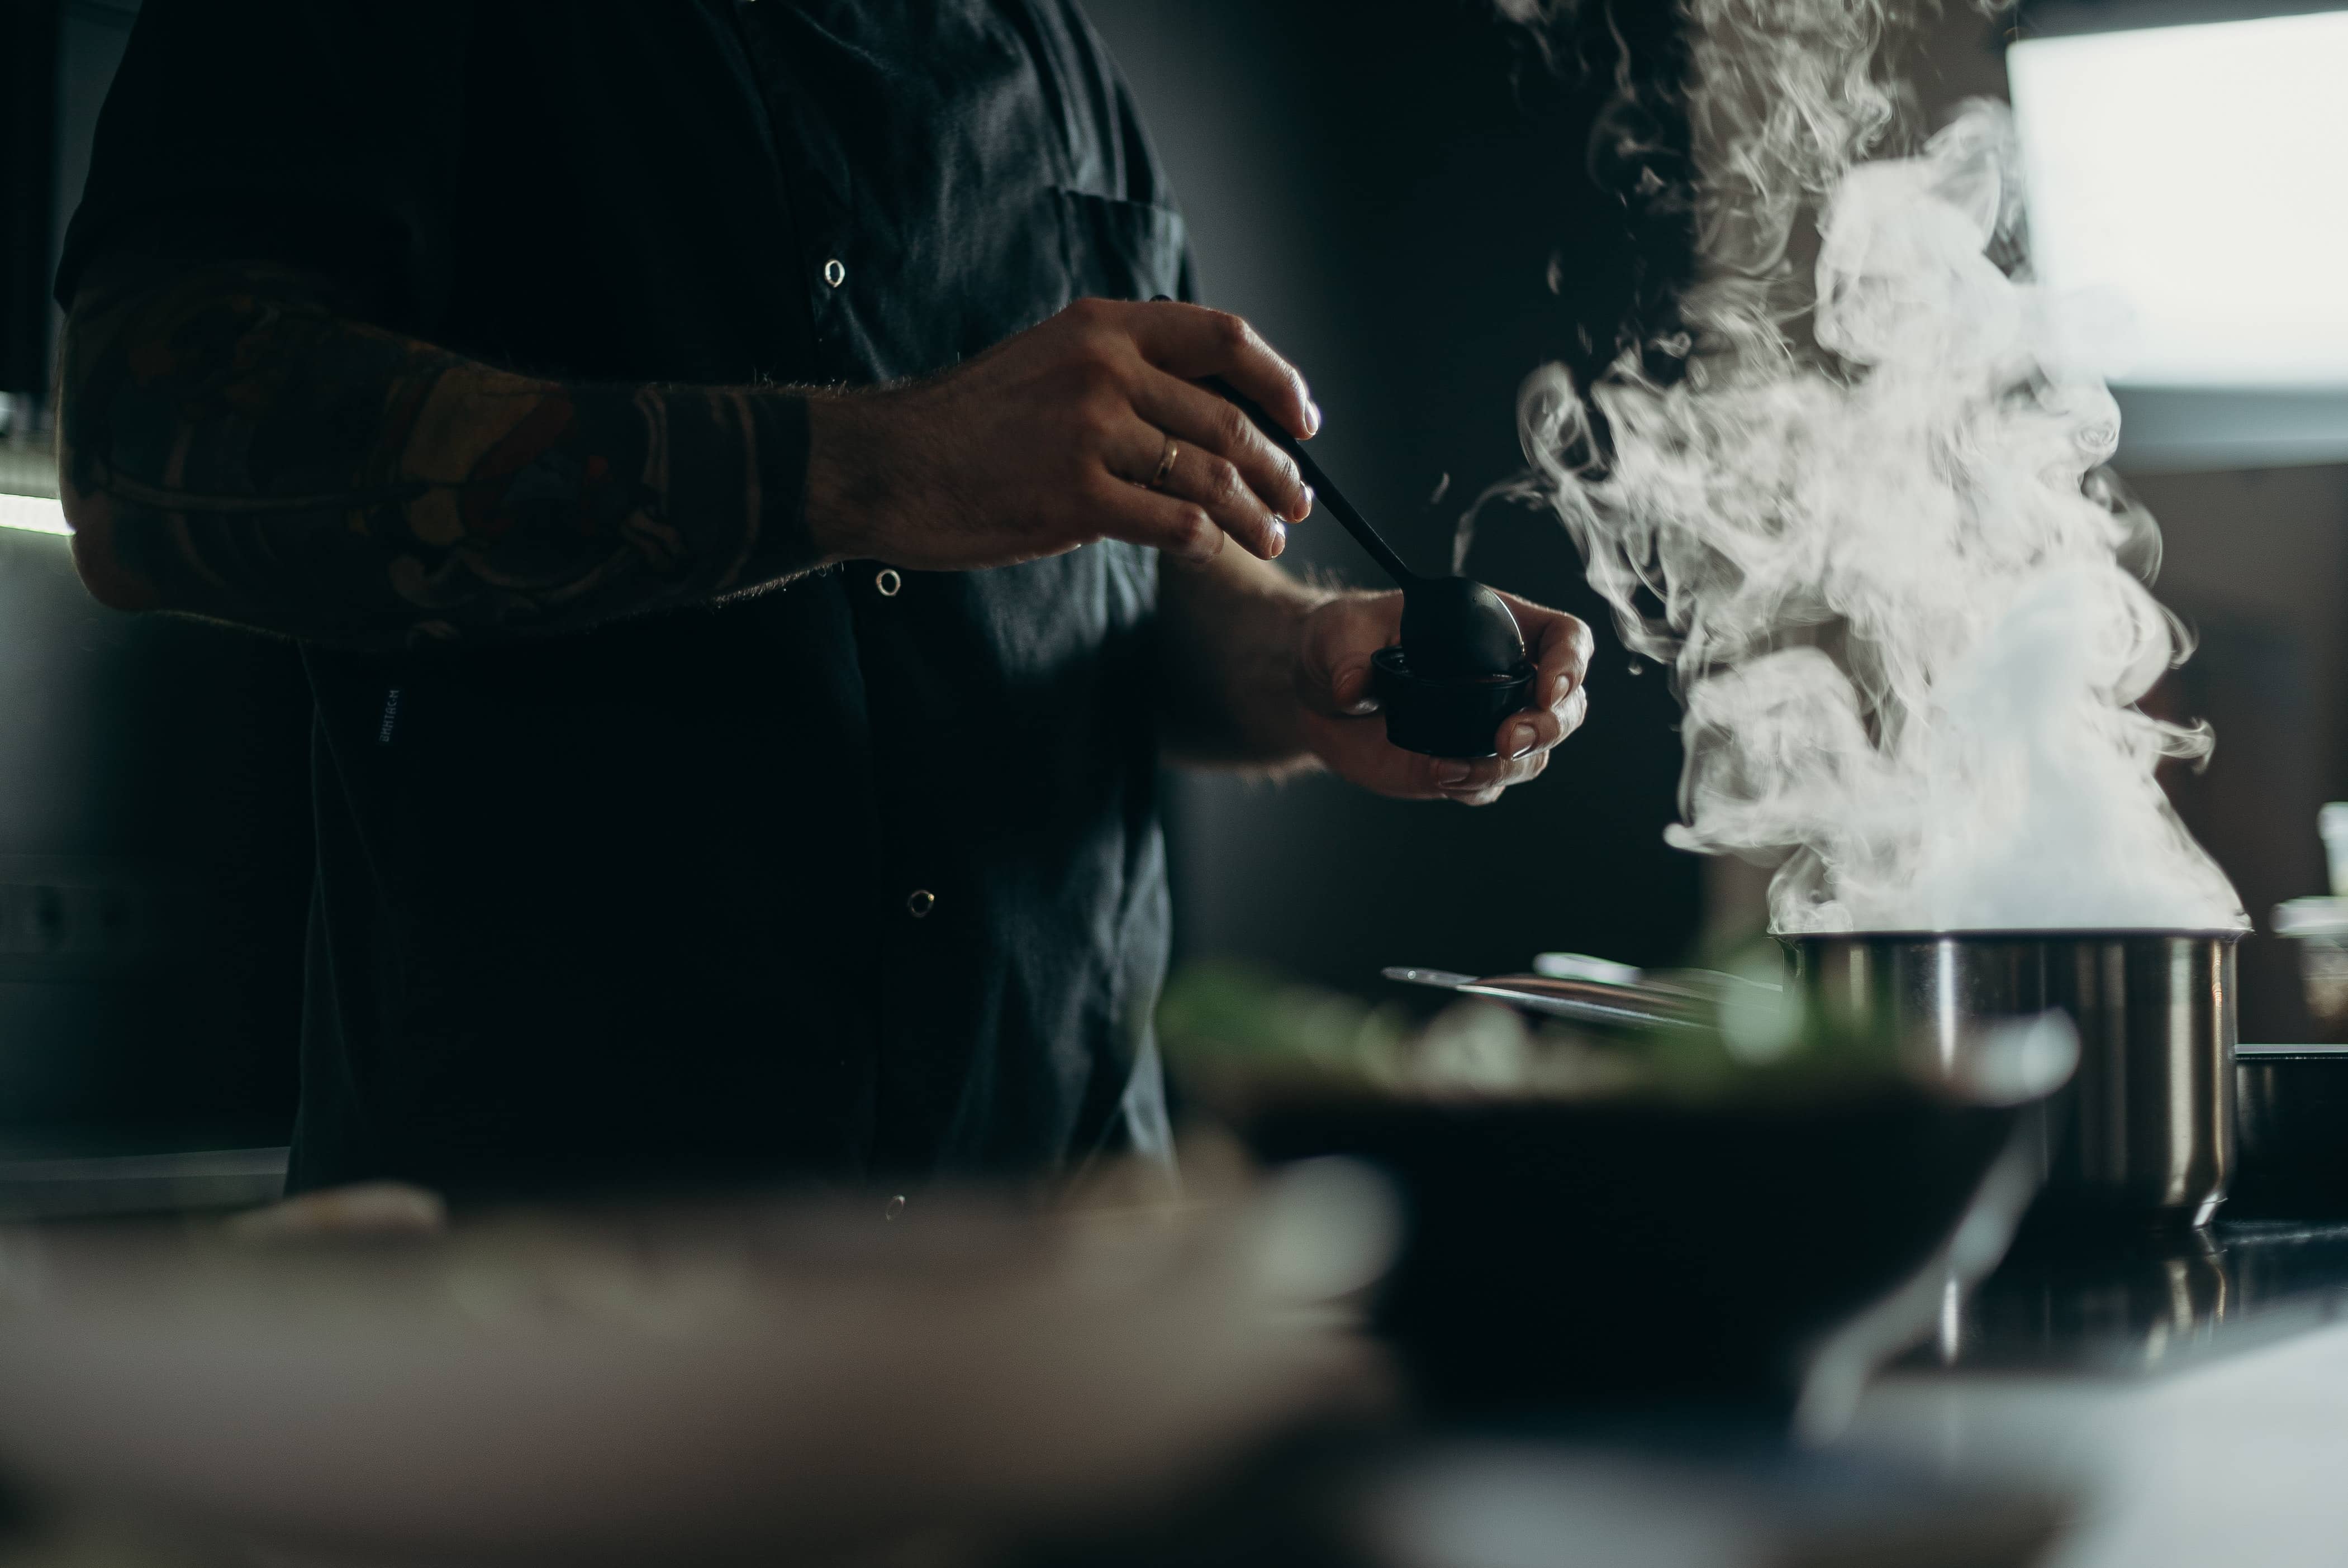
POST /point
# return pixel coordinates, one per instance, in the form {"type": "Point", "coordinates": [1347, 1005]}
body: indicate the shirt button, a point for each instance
{"type": "Point", "coordinates": [893, 1207]}
{"type": "Point", "coordinates": [889, 582]}
{"type": "Point", "coordinates": [920, 902]}
{"type": "Point", "coordinates": [835, 273]}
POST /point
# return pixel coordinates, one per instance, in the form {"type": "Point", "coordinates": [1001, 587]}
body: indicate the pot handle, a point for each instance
{"type": "Point", "coordinates": [1649, 1004]}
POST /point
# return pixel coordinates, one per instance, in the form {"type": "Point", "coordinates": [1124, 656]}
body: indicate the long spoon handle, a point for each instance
{"type": "Point", "coordinates": [1323, 489]}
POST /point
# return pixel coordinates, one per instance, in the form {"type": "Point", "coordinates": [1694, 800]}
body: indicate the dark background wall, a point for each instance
{"type": "Point", "coordinates": [154, 844]}
{"type": "Point", "coordinates": [28, 172]}
{"type": "Point", "coordinates": [154, 824]}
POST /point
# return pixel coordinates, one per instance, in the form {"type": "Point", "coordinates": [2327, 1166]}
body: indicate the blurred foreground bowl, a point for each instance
{"type": "Point", "coordinates": [1661, 1229]}
{"type": "Point", "coordinates": [1638, 1255]}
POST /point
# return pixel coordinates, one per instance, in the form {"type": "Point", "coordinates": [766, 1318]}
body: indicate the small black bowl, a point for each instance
{"type": "Point", "coordinates": [1628, 1255]}
{"type": "Point", "coordinates": [1460, 717]}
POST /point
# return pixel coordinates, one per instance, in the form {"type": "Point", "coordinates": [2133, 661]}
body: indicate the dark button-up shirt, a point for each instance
{"type": "Point", "coordinates": [859, 880]}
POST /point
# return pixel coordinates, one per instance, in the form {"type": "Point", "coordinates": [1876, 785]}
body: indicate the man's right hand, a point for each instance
{"type": "Point", "coordinates": [1050, 440]}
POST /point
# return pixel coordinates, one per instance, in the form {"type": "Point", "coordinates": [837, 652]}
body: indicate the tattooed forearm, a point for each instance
{"type": "Point", "coordinates": [234, 447]}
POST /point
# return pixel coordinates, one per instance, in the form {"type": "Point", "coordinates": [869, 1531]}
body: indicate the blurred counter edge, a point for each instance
{"type": "Point", "coordinates": [128, 1184]}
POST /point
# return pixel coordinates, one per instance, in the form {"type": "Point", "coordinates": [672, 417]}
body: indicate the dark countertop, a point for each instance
{"type": "Point", "coordinates": [2190, 1393]}
{"type": "Point", "coordinates": [2094, 1404]}
{"type": "Point", "coordinates": [59, 1181]}
{"type": "Point", "coordinates": [2130, 1404]}
{"type": "Point", "coordinates": [2147, 1305]}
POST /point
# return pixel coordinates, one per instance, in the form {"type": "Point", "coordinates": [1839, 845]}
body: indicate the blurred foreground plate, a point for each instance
{"type": "Point", "coordinates": [711, 1383]}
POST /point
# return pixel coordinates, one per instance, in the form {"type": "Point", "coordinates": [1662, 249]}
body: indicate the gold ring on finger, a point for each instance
{"type": "Point", "coordinates": [1165, 465]}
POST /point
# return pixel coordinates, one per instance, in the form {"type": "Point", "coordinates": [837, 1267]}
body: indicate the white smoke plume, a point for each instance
{"type": "Point", "coordinates": [1870, 529]}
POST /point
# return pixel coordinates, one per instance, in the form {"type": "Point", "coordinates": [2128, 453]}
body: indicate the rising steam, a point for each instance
{"type": "Point", "coordinates": [1870, 528]}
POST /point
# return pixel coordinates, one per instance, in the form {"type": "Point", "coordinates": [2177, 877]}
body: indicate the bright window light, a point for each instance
{"type": "Point", "coordinates": [2190, 180]}
{"type": "Point", "coordinates": [34, 514]}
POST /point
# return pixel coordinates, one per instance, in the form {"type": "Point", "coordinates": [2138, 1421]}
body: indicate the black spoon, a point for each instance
{"type": "Point", "coordinates": [1452, 628]}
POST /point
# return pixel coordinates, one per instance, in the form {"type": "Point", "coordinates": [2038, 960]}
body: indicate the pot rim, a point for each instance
{"type": "Point", "coordinates": [2022, 934]}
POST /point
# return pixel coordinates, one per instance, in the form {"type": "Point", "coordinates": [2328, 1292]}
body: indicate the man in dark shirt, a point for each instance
{"type": "Point", "coordinates": [749, 548]}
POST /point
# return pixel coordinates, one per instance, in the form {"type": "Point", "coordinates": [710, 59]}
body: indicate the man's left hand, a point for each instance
{"type": "Point", "coordinates": [1343, 729]}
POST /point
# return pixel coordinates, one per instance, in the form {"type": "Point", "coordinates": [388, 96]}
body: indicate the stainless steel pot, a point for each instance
{"type": "Point", "coordinates": [2144, 1134]}
{"type": "Point", "coordinates": [2146, 1130]}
